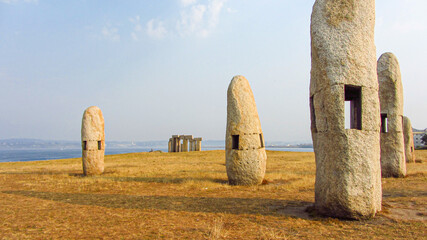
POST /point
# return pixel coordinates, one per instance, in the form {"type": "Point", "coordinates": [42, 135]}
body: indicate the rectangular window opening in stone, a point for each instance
{"type": "Point", "coordinates": [384, 123]}
{"type": "Point", "coordinates": [353, 114]}
{"type": "Point", "coordinates": [312, 114]}
{"type": "Point", "coordinates": [99, 145]}
{"type": "Point", "coordinates": [262, 140]}
{"type": "Point", "coordinates": [84, 145]}
{"type": "Point", "coordinates": [235, 142]}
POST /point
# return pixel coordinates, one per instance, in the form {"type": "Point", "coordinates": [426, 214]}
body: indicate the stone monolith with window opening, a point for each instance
{"type": "Point", "coordinates": [408, 137]}
{"type": "Point", "coordinates": [93, 141]}
{"type": "Point", "coordinates": [393, 162]}
{"type": "Point", "coordinates": [245, 152]}
{"type": "Point", "coordinates": [348, 171]}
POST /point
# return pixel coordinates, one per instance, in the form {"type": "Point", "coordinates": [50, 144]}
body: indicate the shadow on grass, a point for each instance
{"type": "Point", "coordinates": [395, 193]}
{"type": "Point", "coordinates": [186, 179]}
{"type": "Point", "coordinates": [255, 206]}
{"type": "Point", "coordinates": [71, 173]}
{"type": "Point", "coordinates": [165, 179]}
{"type": "Point", "coordinates": [42, 172]}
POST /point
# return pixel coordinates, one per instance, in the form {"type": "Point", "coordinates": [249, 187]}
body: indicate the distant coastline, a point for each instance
{"type": "Point", "coordinates": [31, 144]}
{"type": "Point", "coordinates": [21, 150]}
{"type": "Point", "coordinates": [25, 155]}
{"type": "Point", "coordinates": [306, 145]}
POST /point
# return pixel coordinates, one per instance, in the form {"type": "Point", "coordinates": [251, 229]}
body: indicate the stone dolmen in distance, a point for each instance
{"type": "Point", "coordinates": [93, 141]}
{"type": "Point", "coordinates": [188, 144]}
{"type": "Point", "coordinates": [343, 60]}
{"type": "Point", "coordinates": [393, 162]}
{"type": "Point", "coordinates": [408, 137]}
{"type": "Point", "coordinates": [244, 142]}
{"type": "Point", "coordinates": [196, 144]}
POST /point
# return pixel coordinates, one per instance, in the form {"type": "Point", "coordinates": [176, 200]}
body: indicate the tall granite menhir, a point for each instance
{"type": "Point", "coordinates": [393, 162]}
{"type": "Point", "coordinates": [244, 141]}
{"type": "Point", "coordinates": [408, 137]}
{"type": "Point", "coordinates": [93, 141]}
{"type": "Point", "coordinates": [343, 60]}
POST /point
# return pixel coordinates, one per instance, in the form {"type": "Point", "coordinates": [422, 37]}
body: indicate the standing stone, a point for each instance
{"type": "Point", "coordinates": [348, 171]}
{"type": "Point", "coordinates": [408, 137]}
{"type": "Point", "coordinates": [93, 141]}
{"type": "Point", "coordinates": [190, 143]}
{"type": "Point", "coordinates": [193, 145]}
{"type": "Point", "coordinates": [244, 142]}
{"type": "Point", "coordinates": [393, 162]}
{"type": "Point", "coordinates": [170, 145]}
{"type": "Point", "coordinates": [185, 145]}
{"type": "Point", "coordinates": [175, 143]}
{"type": "Point", "coordinates": [198, 144]}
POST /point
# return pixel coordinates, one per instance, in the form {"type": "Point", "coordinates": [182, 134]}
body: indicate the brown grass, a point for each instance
{"type": "Point", "coordinates": [186, 196]}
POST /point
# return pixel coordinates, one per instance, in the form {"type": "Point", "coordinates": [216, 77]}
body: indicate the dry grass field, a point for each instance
{"type": "Point", "coordinates": [186, 196]}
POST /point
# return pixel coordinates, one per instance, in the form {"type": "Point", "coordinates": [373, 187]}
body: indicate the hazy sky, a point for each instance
{"type": "Point", "coordinates": [157, 68]}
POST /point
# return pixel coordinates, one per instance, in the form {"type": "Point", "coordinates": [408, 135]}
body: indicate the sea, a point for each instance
{"type": "Point", "coordinates": [20, 155]}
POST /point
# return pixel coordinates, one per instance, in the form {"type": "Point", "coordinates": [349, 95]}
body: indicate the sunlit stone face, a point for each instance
{"type": "Point", "coordinates": [245, 151]}
{"type": "Point", "coordinates": [93, 141]}
{"type": "Point", "coordinates": [348, 172]}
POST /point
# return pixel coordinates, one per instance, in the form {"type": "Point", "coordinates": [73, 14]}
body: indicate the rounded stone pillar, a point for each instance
{"type": "Point", "coordinates": [408, 137]}
{"type": "Point", "coordinates": [93, 141]}
{"type": "Point", "coordinates": [343, 71]}
{"type": "Point", "coordinates": [393, 162]}
{"type": "Point", "coordinates": [244, 144]}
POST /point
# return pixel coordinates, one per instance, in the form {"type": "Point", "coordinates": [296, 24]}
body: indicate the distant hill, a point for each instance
{"type": "Point", "coordinates": [418, 130]}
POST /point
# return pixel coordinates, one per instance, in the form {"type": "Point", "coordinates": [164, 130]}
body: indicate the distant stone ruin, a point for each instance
{"type": "Point", "coordinates": [393, 162]}
{"type": "Point", "coordinates": [93, 141]}
{"type": "Point", "coordinates": [188, 144]}
{"type": "Point", "coordinates": [244, 141]}
{"type": "Point", "coordinates": [343, 73]}
{"type": "Point", "coordinates": [197, 145]}
{"type": "Point", "coordinates": [408, 137]}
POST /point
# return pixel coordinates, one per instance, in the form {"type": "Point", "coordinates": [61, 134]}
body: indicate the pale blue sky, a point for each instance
{"type": "Point", "coordinates": [157, 68]}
